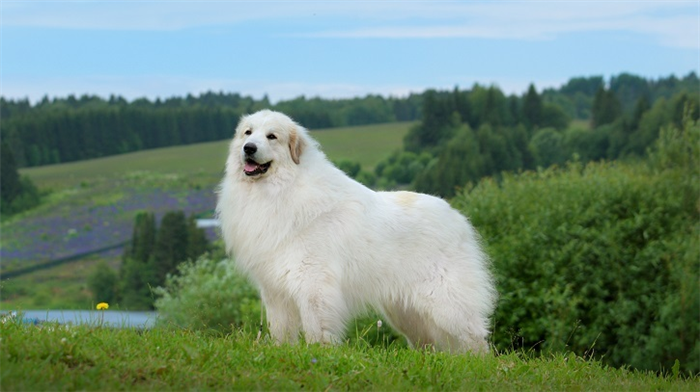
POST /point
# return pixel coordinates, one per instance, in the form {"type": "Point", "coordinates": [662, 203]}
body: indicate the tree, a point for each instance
{"type": "Point", "coordinates": [440, 119]}
{"type": "Point", "coordinates": [628, 89]}
{"type": "Point", "coordinates": [137, 276]}
{"type": "Point", "coordinates": [459, 163]}
{"type": "Point", "coordinates": [197, 243]}
{"type": "Point", "coordinates": [10, 185]}
{"type": "Point", "coordinates": [553, 116]}
{"type": "Point", "coordinates": [546, 146]}
{"type": "Point", "coordinates": [532, 109]}
{"type": "Point", "coordinates": [606, 108]}
{"type": "Point", "coordinates": [103, 283]}
{"type": "Point", "coordinates": [640, 108]}
{"type": "Point", "coordinates": [137, 280]}
{"type": "Point", "coordinates": [171, 245]}
{"type": "Point", "coordinates": [143, 237]}
{"type": "Point", "coordinates": [17, 193]}
{"type": "Point", "coordinates": [153, 254]}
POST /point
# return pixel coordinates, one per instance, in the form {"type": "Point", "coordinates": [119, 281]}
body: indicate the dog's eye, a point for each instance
{"type": "Point", "coordinates": [247, 132]}
{"type": "Point", "coordinates": [271, 136]}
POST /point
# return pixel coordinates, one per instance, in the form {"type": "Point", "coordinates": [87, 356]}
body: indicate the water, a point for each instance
{"type": "Point", "coordinates": [110, 318]}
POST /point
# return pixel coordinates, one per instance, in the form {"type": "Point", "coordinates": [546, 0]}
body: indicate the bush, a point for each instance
{"type": "Point", "coordinates": [351, 168]}
{"type": "Point", "coordinates": [366, 178]}
{"type": "Point", "coordinates": [602, 259]}
{"type": "Point", "coordinates": [207, 294]}
{"type": "Point", "coordinates": [211, 295]}
{"type": "Point", "coordinates": [103, 282]}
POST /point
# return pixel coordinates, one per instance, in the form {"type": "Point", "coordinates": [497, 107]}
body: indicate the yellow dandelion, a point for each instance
{"type": "Point", "coordinates": [102, 306]}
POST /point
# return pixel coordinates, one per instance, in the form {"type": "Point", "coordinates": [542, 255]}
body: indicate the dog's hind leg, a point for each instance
{"type": "Point", "coordinates": [457, 330]}
{"type": "Point", "coordinates": [410, 323]}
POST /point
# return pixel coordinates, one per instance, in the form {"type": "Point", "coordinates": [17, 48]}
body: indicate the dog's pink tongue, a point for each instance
{"type": "Point", "coordinates": [249, 167]}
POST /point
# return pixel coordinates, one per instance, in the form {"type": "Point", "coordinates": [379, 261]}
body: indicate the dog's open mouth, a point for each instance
{"type": "Point", "coordinates": [252, 168]}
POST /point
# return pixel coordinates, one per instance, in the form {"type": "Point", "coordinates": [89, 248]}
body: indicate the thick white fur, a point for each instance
{"type": "Point", "coordinates": [323, 248]}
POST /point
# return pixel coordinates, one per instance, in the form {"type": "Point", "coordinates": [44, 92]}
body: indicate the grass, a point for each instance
{"type": "Point", "coordinates": [582, 124]}
{"type": "Point", "coordinates": [366, 144]}
{"type": "Point", "coordinates": [60, 287]}
{"type": "Point", "coordinates": [52, 357]}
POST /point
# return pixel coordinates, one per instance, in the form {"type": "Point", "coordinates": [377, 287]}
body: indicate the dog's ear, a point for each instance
{"type": "Point", "coordinates": [296, 145]}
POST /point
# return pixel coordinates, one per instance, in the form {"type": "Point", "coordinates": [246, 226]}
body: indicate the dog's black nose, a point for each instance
{"type": "Point", "coordinates": [250, 148]}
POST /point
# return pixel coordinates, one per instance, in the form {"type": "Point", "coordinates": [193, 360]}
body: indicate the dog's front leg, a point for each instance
{"type": "Point", "coordinates": [323, 314]}
{"type": "Point", "coordinates": [282, 319]}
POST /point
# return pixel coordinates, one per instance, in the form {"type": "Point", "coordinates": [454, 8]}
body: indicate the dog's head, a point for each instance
{"type": "Point", "coordinates": [265, 142]}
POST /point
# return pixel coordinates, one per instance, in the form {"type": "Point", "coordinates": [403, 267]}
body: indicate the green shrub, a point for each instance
{"type": "Point", "coordinates": [602, 259]}
{"type": "Point", "coordinates": [211, 295]}
{"type": "Point", "coordinates": [366, 178]}
{"type": "Point", "coordinates": [103, 282]}
{"type": "Point", "coordinates": [351, 168]}
{"type": "Point", "coordinates": [207, 294]}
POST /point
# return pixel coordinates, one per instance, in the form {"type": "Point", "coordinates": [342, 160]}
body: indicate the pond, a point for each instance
{"type": "Point", "coordinates": [111, 318]}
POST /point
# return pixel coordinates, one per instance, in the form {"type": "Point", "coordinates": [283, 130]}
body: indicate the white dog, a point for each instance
{"type": "Point", "coordinates": [323, 248]}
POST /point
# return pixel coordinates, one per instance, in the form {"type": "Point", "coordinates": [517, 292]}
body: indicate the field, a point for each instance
{"type": "Point", "coordinates": [92, 205]}
{"type": "Point", "coordinates": [54, 357]}
{"type": "Point", "coordinates": [365, 144]}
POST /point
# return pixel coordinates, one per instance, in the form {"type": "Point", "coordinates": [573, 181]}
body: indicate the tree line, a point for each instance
{"type": "Point", "coordinates": [74, 128]}
{"type": "Point", "coordinates": [465, 135]}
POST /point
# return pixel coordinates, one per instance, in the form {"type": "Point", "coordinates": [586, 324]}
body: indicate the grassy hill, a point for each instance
{"type": "Point", "coordinates": [365, 144]}
{"type": "Point", "coordinates": [102, 359]}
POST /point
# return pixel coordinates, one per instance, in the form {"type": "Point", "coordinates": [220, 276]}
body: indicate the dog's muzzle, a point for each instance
{"type": "Point", "coordinates": [251, 166]}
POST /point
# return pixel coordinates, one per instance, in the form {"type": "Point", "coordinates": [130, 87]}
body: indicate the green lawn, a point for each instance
{"type": "Point", "coordinates": [57, 358]}
{"type": "Point", "coordinates": [366, 144]}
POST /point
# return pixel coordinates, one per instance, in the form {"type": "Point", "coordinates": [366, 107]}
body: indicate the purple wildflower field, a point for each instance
{"type": "Point", "coordinates": [91, 220]}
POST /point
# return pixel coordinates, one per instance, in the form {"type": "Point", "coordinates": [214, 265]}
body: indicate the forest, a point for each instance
{"type": "Point", "coordinates": [73, 128]}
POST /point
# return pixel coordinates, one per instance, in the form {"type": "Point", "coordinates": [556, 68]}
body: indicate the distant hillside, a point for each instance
{"type": "Point", "coordinates": [365, 144]}
{"type": "Point", "coordinates": [72, 129]}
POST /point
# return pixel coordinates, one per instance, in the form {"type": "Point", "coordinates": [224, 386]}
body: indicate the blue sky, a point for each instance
{"type": "Point", "coordinates": [334, 49]}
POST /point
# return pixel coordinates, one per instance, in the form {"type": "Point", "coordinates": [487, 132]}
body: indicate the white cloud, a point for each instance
{"type": "Point", "coordinates": [671, 23]}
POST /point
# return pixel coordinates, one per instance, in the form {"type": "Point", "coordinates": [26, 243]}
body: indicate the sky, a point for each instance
{"type": "Point", "coordinates": [334, 49]}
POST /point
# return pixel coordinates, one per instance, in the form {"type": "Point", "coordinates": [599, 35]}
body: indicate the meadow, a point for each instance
{"type": "Point", "coordinates": [366, 144]}
{"type": "Point", "coordinates": [53, 357]}
{"type": "Point", "coordinates": [92, 204]}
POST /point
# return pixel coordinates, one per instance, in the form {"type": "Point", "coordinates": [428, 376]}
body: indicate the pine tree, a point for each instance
{"type": "Point", "coordinates": [171, 245]}
{"type": "Point", "coordinates": [197, 243]}
{"type": "Point", "coordinates": [606, 108]}
{"type": "Point", "coordinates": [143, 238]}
{"type": "Point", "coordinates": [532, 109]}
{"type": "Point", "coordinates": [10, 186]}
{"type": "Point", "coordinates": [459, 163]}
{"type": "Point", "coordinates": [137, 275]}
